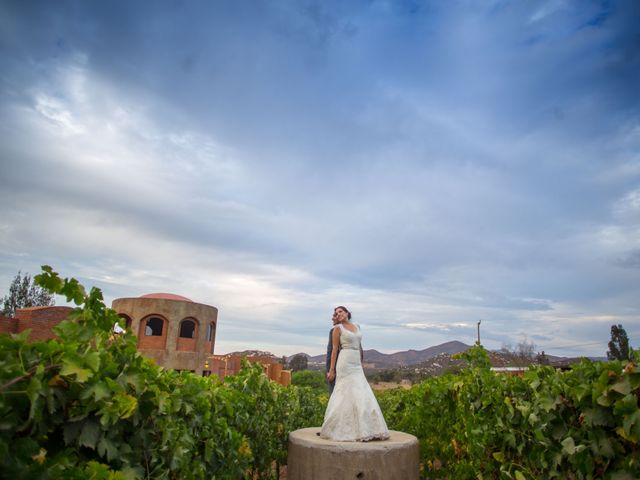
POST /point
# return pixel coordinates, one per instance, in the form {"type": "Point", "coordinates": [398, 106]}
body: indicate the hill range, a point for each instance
{"type": "Point", "coordinates": [432, 359]}
{"type": "Point", "coordinates": [379, 360]}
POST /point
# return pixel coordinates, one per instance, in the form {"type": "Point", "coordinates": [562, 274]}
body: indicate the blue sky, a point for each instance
{"type": "Point", "coordinates": [428, 164]}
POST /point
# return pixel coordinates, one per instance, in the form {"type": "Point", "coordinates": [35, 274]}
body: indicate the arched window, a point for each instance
{"type": "Point", "coordinates": [187, 329]}
{"type": "Point", "coordinates": [127, 320]}
{"type": "Point", "coordinates": [211, 332]}
{"type": "Point", "coordinates": [153, 327]}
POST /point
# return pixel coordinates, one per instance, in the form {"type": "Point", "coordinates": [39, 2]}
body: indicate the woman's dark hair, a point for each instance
{"type": "Point", "coordinates": [345, 310]}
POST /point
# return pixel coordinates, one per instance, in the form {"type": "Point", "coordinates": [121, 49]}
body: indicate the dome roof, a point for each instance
{"type": "Point", "coordinates": [167, 296]}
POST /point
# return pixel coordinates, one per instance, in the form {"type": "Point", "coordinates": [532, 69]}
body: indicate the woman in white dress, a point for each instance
{"type": "Point", "coordinates": [353, 413]}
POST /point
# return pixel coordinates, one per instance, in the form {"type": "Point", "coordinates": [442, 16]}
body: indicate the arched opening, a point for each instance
{"type": "Point", "coordinates": [127, 324]}
{"type": "Point", "coordinates": [188, 329]}
{"type": "Point", "coordinates": [154, 327]}
{"type": "Point", "coordinates": [187, 335]}
{"type": "Point", "coordinates": [211, 337]}
{"type": "Point", "coordinates": [152, 334]}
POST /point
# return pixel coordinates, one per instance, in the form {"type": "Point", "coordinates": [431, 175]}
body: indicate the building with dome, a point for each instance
{"type": "Point", "coordinates": [172, 330]}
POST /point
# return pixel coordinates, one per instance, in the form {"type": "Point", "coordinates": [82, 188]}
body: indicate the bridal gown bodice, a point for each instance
{"type": "Point", "coordinates": [353, 413]}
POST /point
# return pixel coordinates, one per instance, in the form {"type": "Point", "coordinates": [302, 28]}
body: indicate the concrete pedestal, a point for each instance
{"type": "Point", "coordinates": [313, 458]}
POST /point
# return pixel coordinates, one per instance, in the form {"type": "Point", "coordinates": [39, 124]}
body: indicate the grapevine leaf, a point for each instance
{"type": "Point", "coordinates": [108, 448]}
{"type": "Point", "coordinates": [519, 475]}
{"type": "Point", "coordinates": [547, 403]}
{"type": "Point", "coordinates": [22, 336]}
{"type": "Point", "coordinates": [92, 359]}
{"type": "Point", "coordinates": [623, 386]}
{"type": "Point", "coordinates": [568, 446]}
{"type": "Point", "coordinates": [602, 446]}
{"type": "Point", "coordinates": [71, 431]}
{"type": "Point", "coordinates": [604, 400]}
{"type": "Point", "coordinates": [98, 391]}
{"type": "Point", "coordinates": [631, 425]}
{"type": "Point", "coordinates": [598, 416]}
{"type": "Point", "coordinates": [90, 434]}
{"type": "Point", "coordinates": [126, 404]}
{"type": "Point", "coordinates": [70, 366]}
{"type": "Point", "coordinates": [626, 405]}
{"type": "Point", "coordinates": [131, 473]}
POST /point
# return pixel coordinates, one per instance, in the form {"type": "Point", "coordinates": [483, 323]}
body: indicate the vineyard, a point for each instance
{"type": "Point", "coordinates": [88, 405]}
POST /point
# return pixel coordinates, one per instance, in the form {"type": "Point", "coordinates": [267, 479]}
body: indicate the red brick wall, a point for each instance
{"type": "Point", "coordinates": [8, 324]}
{"type": "Point", "coordinates": [186, 344]}
{"type": "Point", "coordinates": [232, 363]}
{"type": "Point", "coordinates": [41, 320]}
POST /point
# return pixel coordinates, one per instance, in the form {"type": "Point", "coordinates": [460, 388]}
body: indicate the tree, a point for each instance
{"type": "Point", "coordinates": [525, 353]}
{"type": "Point", "coordinates": [24, 293]}
{"type": "Point", "coordinates": [619, 344]}
{"type": "Point", "coordinates": [522, 354]}
{"type": "Point", "coordinates": [542, 359]}
{"type": "Point", "coordinates": [298, 362]}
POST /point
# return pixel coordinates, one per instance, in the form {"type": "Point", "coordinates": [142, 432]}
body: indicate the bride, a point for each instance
{"type": "Point", "coordinates": [353, 413]}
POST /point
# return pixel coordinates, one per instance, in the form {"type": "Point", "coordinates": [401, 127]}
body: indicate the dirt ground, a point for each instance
{"type": "Point", "coordinates": [390, 385]}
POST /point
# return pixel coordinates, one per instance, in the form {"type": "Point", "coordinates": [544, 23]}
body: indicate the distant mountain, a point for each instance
{"type": "Point", "coordinates": [300, 353]}
{"type": "Point", "coordinates": [411, 357]}
{"type": "Point", "coordinates": [430, 361]}
{"type": "Point", "coordinates": [444, 362]}
{"type": "Point", "coordinates": [399, 359]}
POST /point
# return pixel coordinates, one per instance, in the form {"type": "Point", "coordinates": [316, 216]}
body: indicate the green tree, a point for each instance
{"type": "Point", "coordinates": [298, 362]}
{"type": "Point", "coordinates": [24, 293]}
{"type": "Point", "coordinates": [619, 344]}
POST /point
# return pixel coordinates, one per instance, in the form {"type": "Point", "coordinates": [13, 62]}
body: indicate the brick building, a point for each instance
{"type": "Point", "coordinates": [172, 330]}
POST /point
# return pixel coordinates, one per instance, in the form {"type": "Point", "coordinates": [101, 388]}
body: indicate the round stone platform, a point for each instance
{"type": "Point", "coordinates": [314, 458]}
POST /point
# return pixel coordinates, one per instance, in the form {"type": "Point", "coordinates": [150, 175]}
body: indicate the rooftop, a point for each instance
{"type": "Point", "coordinates": [167, 296]}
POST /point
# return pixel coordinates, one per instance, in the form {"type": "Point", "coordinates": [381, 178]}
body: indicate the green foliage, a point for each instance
{"type": "Point", "coordinates": [23, 293]}
{"type": "Point", "coordinates": [476, 357]}
{"type": "Point", "coordinates": [580, 424]}
{"type": "Point", "coordinates": [88, 405]}
{"type": "Point", "coordinates": [313, 379]}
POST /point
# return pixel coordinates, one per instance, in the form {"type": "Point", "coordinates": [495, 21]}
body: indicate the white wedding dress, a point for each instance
{"type": "Point", "coordinates": [353, 413]}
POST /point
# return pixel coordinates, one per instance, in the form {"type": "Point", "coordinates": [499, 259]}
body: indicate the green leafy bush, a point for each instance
{"type": "Point", "coordinates": [313, 379]}
{"type": "Point", "coordinates": [580, 424]}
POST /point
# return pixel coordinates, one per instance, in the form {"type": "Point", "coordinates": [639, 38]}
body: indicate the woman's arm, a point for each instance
{"type": "Point", "coordinates": [335, 342]}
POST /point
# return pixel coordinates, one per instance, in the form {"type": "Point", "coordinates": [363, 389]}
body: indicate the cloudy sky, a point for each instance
{"type": "Point", "coordinates": [428, 164]}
